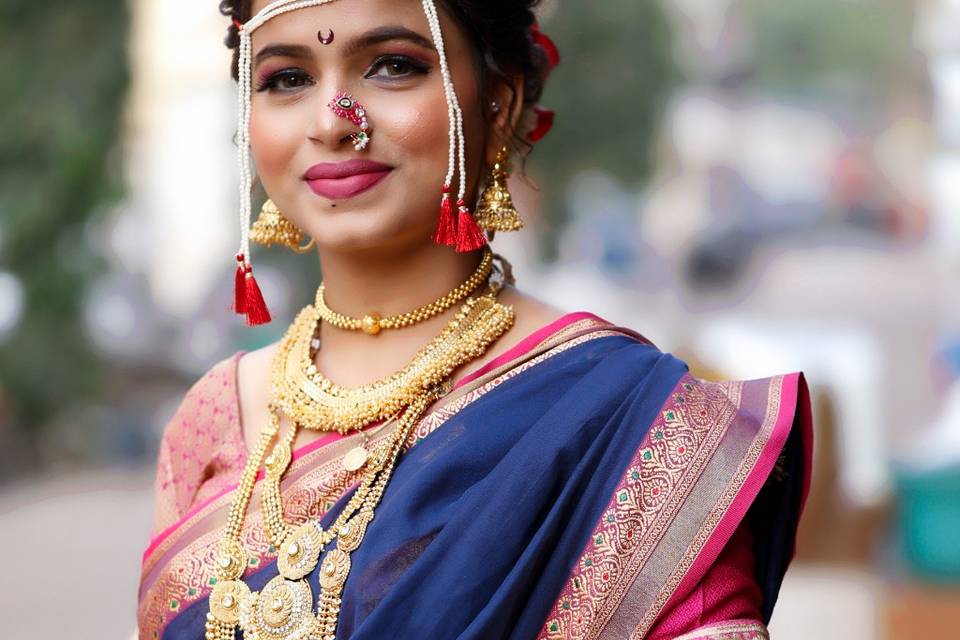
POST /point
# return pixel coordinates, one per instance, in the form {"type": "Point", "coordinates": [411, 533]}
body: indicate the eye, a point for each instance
{"type": "Point", "coordinates": [396, 67]}
{"type": "Point", "coordinates": [285, 80]}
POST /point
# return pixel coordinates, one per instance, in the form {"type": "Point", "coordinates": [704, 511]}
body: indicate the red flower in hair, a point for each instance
{"type": "Point", "coordinates": [544, 116]}
{"type": "Point", "coordinates": [544, 41]}
{"type": "Point", "coordinates": [544, 123]}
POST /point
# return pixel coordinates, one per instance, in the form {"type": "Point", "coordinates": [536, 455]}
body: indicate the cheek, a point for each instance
{"type": "Point", "coordinates": [274, 138]}
{"type": "Point", "coordinates": [417, 128]}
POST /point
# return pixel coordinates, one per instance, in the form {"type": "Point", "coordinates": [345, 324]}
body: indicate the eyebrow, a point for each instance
{"type": "Point", "coordinates": [353, 46]}
{"type": "Point", "coordinates": [282, 50]}
{"type": "Point", "coordinates": [383, 34]}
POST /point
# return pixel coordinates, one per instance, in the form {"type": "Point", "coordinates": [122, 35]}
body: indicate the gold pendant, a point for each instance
{"type": "Point", "coordinates": [351, 534]}
{"type": "Point", "coordinates": [355, 459]}
{"type": "Point", "coordinates": [283, 610]}
{"type": "Point", "coordinates": [334, 570]}
{"type": "Point", "coordinates": [226, 599]}
{"type": "Point", "coordinates": [279, 459]}
{"type": "Point", "coordinates": [231, 560]}
{"type": "Point", "coordinates": [299, 553]}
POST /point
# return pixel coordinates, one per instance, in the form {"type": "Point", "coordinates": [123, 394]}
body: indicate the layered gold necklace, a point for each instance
{"type": "Point", "coordinates": [283, 609]}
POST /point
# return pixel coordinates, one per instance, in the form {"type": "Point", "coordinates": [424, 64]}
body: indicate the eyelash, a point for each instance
{"type": "Point", "coordinates": [416, 66]}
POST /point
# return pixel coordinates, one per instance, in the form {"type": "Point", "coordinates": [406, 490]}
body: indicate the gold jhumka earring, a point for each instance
{"type": "Point", "coordinates": [272, 227]}
{"type": "Point", "coordinates": [496, 211]}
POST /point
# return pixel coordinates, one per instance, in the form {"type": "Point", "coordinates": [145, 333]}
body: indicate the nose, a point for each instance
{"type": "Point", "coordinates": [327, 127]}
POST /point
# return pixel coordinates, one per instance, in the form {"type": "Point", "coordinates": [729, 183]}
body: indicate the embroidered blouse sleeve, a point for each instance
{"type": "Point", "coordinates": [202, 448]}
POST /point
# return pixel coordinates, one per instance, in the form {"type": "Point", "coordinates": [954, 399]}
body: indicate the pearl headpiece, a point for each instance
{"type": "Point", "coordinates": [461, 232]}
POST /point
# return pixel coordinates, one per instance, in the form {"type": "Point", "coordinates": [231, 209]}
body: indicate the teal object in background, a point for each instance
{"type": "Point", "coordinates": [929, 522]}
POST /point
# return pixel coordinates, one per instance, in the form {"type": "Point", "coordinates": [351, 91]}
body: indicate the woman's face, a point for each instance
{"type": "Point", "coordinates": [397, 79]}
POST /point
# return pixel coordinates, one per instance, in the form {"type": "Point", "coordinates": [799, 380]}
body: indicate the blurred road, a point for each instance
{"type": "Point", "coordinates": [73, 550]}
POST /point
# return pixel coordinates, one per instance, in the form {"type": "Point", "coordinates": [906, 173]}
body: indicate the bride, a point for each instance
{"type": "Point", "coordinates": [430, 451]}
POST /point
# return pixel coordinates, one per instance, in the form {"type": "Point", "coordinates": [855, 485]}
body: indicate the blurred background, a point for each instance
{"type": "Point", "coordinates": [759, 187]}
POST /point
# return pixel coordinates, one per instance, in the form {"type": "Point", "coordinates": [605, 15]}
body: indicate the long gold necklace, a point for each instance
{"type": "Point", "coordinates": [373, 324]}
{"type": "Point", "coordinates": [282, 610]}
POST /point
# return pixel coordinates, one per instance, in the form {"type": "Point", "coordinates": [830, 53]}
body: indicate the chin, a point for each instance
{"type": "Point", "coordinates": [359, 232]}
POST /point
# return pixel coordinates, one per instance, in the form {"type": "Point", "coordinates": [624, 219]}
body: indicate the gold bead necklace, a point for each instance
{"type": "Point", "coordinates": [373, 324]}
{"type": "Point", "coordinates": [283, 609]}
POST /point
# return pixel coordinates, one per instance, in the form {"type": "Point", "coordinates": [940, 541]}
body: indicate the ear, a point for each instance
{"type": "Point", "coordinates": [508, 93]}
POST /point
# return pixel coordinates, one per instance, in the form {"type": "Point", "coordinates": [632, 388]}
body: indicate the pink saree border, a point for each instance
{"type": "Point", "coordinates": [618, 587]}
{"type": "Point", "coordinates": [522, 347]}
{"type": "Point", "coordinates": [755, 480]}
{"type": "Point", "coordinates": [163, 535]}
{"type": "Point", "coordinates": [529, 342]}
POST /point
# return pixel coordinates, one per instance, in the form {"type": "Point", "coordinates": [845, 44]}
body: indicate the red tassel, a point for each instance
{"type": "Point", "coordinates": [446, 233]}
{"type": "Point", "coordinates": [469, 236]}
{"type": "Point", "coordinates": [240, 287]}
{"type": "Point", "coordinates": [256, 308]}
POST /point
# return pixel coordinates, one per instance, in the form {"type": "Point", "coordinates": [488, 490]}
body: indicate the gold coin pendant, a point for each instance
{"type": "Point", "coordinates": [354, 459]}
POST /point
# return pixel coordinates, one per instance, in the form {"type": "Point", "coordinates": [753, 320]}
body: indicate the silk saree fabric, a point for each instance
{"type": "Point", "coordinates": [582, 485]}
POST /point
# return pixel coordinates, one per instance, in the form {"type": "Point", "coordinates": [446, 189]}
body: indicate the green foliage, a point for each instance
{"type": "Point", "coordinates": [608, 91]}
{"type": "Point", "coordinates": [64, 73]}
{"type": "Point", "coordinates": [830, 47]}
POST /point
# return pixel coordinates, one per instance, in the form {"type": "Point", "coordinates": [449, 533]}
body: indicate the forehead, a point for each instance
{"type": "Point", "coordinates": [369, 12]}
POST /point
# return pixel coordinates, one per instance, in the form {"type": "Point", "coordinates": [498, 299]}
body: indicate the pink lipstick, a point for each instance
{"type": "Point", "coordinates": [337, 180]}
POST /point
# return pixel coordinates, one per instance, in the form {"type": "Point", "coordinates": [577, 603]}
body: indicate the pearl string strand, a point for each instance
{"type": "Point", "coordinates": [433, 21]}
{"type": "Point", "coordinates": [244, 99]}
{"type": "Point", "coordinates": [453, 102]}
{"type": "Point", "coordinates": [434, 17]}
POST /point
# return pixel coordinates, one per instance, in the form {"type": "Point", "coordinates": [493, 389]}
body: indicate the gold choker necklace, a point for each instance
{"type": "Point", "coordinates": [373, 324]}
{"type": "Point", "coordinates": [283, 609]}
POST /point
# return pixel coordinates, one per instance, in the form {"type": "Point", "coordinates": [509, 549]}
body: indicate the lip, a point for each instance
{"type": "Point", "coordinates": [337, 180]}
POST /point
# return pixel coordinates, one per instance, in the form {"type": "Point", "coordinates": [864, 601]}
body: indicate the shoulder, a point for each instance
{"type": "Point", "coordinates": [210, 401]}
{"type": "Point", "coordinates": [219, 381]}
{"type": "Point", "coordinates": [538, 322]}
{"type": "Point", "coordinates": [253, 390]}
{"type": "Point", "coordinates": [201, 444]}
{"type": "Point", "coordinates": [531, 313]}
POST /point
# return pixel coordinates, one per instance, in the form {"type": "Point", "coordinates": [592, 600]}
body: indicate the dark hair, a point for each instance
{"type": "Point", "coordinates": [499, 31]}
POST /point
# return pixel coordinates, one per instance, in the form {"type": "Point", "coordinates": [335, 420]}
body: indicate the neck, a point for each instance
{"type": "Point", "coordinates": [357, 284]}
